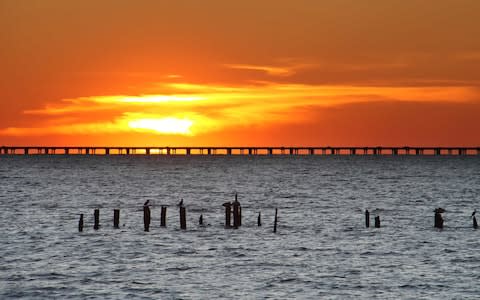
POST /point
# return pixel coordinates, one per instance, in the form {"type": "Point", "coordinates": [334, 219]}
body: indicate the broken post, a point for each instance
{"type": "Point", "coordinates": [367, 218]}
{"type": "Point", "coordinates": [228, 214]}
{"type": "Point", "coordinates": [475, 224]}
{"type": "Point", "coordinates": [146, 218]}
{"type": "Point", "coordinates": [96, 217]}
{"type": "Point", "coordinates": [275, 221]}
{"type": "Point", "coordinates": [239, 216]}
{"type": "Point", "coordinates": [183, 218]}
{"type": "Point", "coordinates": [116, 218]}
{"type": "Point", "coordinates": [236, 221]}
{"type": "Point", "coordinates": [439, 218]}
{"type": "Point", "coordinates": [80, 223]}
{"type": "Point", "coordinates": [236, 213]}
{"type": "Point", "coordinates": [163, 217]}
{"type": "Point", "coordinates": [377, 222]}
{"type": "Point", "coordinates": [259, 219]}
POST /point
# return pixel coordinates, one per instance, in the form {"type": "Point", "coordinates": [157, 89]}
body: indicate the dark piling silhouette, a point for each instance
{"type": "Point", "coordinates": [259, 219]}
{"type": "Point", "coordinates": [146, 218]}
{"type": "Point", "coordinates": [80, 223]}
{"type": "Point", "coordinates": [163, 217]}
{"type": "Point", "coordinates": [367, 218]}
{"type": "Point", "coordinates": [475, 224]}
{"type": "Point", "coordinates": [439, 218]}
{"type": "Point", "coordinates": [116, 218]}
{"type": "Point", "coordinates": [237, 215]}
{"type": "Point", "coordinates": [183, 218]}
{"type": "Point", "coordinates": [200, 220]}
{"type": "Point", "coordinates": [275, 221]}
{"type": "Point", "coordinates": [96, 219]}
{"type": "Point", "coordinates": [228, 214]}
{"type": "Point", "coordinates": [377, 222]}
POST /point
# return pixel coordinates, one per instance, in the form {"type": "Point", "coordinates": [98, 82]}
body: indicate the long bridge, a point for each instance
{"type": "Point", "coordinates": [328, 150]}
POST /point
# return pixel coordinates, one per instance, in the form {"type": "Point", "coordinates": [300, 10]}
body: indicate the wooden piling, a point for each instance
{"type": "Point", "coordinates": [96, 217]}
{"type": "Point", "coordinates": [116, 218]}
{"type": "Point", "coordinates": [367, 218]}
{"type": "Point", "coordinates": [146, 218]}
{"type": "Point", "coordinates": [438, 220]}
{"type": "Point", "coordinates": [239, 216]}
{"type": "Point", "coordinates": [275, 221]}
{"type": "Point", "coordinates": [475, 224]}
{"type": "Point", "coordinates": [237, 213]}
{"type": "Point", "coordinates": [200, 220]}
{"type": "Point", "coordinates": [183, 218]}
{"type": "Point", "coordinates": [228, 214]}
{"type": "Point", "coordinates": [163, 217]}
{"type": "Point", "coordinates": [259, 219]}
{"type": "Point", "coordinates": [377, 222]}
{"type": "Point", "coordinates": [80, 223]}
{"type": "Point", "coordinates": [236, 221]}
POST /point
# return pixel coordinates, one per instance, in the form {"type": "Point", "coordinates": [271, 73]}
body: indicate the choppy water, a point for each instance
{"type": "Point", "coordinates": [321, 250]}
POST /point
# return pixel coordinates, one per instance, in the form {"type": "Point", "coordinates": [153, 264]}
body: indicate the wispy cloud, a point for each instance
{"type": "Point", "coordinates": [193, 109]}
{"type": "Point", "coordinates": [270, 70]}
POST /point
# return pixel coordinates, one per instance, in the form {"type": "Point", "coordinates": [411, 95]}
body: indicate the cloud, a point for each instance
{"type": "Point", "coordinates": [270, 70]}
{"type": "Point", "coordinates": [195, 109]}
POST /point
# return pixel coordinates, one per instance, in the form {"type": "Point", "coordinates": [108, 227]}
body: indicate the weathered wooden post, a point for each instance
{"type": "Point", "coordinates": [228, 214]}
{"type": "Point", "coordinates": [116, 218]}
{"type": "Point", "coordinates": [367, 218]}
{"type": "Point", "coordinates": [96, 217]}
{"type": "Point", "coordinates": [275, 221]}
{"type": "Point", "coordinates": [239, 216]}
{"type": "Point", "coordinates": [439, 218]}
{"type": "Point", "coordinates": [475, 224]}
{"type": "Point", "coordinates": [236, 213]}
{"type": "Point", "coordinates": [80, 223]}
{"type": "Point", "coordinates": [259, 219]}
{"type": "Point", "coordinates": [200, 220]}
{"type": "Point", "coordinates": [146, 218]}
{"type": "Point", "coordinates": [183, 218]}
{"type": "Point", "coordinates": [163, 217]}
{"type": "Point", "coordinates": [377, 222]}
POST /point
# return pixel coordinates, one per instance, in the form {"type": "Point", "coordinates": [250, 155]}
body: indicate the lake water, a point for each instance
{"type": "Point", "coordinates": [321, 250]}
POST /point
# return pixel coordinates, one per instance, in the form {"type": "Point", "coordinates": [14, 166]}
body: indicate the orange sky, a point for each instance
{"type": "Point", "coordinates": [216, 72]}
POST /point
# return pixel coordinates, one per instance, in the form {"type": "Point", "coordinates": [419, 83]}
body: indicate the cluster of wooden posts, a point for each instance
{"type": "Point", "coordinates": [438, 219]}
{"type": "Point", "coordinates": [231, 208]}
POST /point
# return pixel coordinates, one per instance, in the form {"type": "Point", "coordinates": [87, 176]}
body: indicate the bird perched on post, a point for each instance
{"type": "Point", "coordinates": [473, 213]}
{"type": "Point", "coordinates": [180, 204]}
{"type": "Point", "coordinates": [147, 203]}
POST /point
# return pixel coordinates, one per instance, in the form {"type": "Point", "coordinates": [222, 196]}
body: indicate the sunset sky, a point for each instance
{"type": "Point", "coordinates": [234, 73]}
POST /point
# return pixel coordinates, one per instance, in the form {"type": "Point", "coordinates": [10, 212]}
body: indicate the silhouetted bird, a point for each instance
{"type": "Point", "coordinates": [473, 213]}
{"type": "Point", "coordinates": [146, 203]}
{"type": "Point", "coordinates": [236, 202]}
{"type": "Point", "coordinates": [226, 204]}
{"type": "Point", "coordinates": [180, 204]}
{"type": "Point", "coordinates": [439, 210]}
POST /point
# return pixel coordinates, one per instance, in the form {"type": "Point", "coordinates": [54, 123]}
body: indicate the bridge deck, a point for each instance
{"type": "Point", "coordinates": [380, 150]}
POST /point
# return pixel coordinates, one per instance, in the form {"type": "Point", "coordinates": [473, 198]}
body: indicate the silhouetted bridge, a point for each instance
{"type": "Point", "coordinates": [42, 150]}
